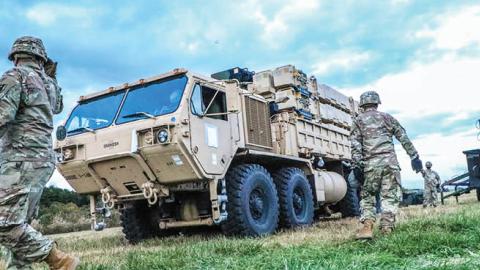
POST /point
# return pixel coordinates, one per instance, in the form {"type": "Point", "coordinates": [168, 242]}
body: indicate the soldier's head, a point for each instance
{"type": "Point", "coordinates": [28, 48]}
{"type": "Point", "coordinates": [369, 99]}
{"type": "Point", "coordinates": [428, 165]}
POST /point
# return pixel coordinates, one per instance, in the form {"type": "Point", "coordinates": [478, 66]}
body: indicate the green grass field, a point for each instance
{"type": "Point", "coordinates": [447, 237]}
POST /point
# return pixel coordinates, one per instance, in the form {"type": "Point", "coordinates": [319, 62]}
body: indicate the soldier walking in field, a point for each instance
{"type": "Point", "coordinates": [432, 183]}
{"type": "Point", "coordinates": [29, 97]}
{"type": "Point", "coordinates": [375, 163]}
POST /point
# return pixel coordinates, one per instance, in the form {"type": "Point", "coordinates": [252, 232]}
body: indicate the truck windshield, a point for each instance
{"type": "Point", "coordinates": [152, 100]}
{"type": "Point", "coordinates": [94, 114]}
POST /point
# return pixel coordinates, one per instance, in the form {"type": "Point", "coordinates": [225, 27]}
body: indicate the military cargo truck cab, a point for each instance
{"type": "Point", "coordinates": [182, 149]}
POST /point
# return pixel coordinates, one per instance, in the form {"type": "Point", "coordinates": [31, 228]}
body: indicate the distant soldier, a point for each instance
{"type": "Point", "coordinates": [432, 183]}
{"type": "Point", "coordinates": [375, 161]}
{"type": "Point", "coordinates": [29, 97]}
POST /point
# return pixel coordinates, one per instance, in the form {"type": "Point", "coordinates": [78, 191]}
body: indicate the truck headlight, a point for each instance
{"type": "Point", "coordinates": [162, 136]}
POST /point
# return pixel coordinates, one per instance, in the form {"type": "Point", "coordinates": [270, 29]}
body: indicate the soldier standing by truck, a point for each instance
{"type": "Point", "coordinates": [432, 183]}
{"type": "Point", "coordinates": [375, 161]}
{"type": "Point", "coordinates": [29, 97]}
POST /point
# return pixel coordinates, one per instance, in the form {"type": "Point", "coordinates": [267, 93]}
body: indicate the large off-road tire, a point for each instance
{"type": "Point", "coordinates": [478, 194]}
{"type": "Point", "coordinates": [295, 198]}
{"type": "Point", "coordinates": [252, 202]}
{"type": "Point", "coordinates": [349, 206]}
{"type": "Point", "coordinates": [138, 222]}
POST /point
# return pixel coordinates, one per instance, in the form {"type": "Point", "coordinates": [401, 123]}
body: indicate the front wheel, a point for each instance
{"type": "Point", "coordinates": [252, 202]}
{"type": "Point", "coordinates": [136, 222]}
{"type": "Point", "coordinates": [295, 196]}
{"type": "Point", "coordinates": [140, 222]}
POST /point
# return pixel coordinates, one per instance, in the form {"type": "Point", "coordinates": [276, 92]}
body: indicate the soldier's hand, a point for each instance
{"type": "Point", "coordinates": [51, 68]}
{"type": "Point", "coordinates": [358, 173]}
{"type": "Point", "coordinates": [417, 165]}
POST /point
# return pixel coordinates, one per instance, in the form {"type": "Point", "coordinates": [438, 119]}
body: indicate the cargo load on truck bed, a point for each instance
{"type": "Point", "coordinates": [306, 119]}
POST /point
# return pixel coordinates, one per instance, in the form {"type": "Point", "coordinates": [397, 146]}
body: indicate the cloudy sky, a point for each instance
{"type": "Point", "coordinates": [423, 57]}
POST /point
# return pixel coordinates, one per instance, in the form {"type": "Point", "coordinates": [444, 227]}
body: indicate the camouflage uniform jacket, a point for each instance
{"type": "Point", "coordinates": [28, 100]}
{"type": "Point", "coordinates": [431, 178]}
{"type": "Point", "coordinates": [372, 140]}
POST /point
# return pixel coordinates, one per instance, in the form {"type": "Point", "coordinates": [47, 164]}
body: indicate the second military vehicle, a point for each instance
{"type": "Point", "coordinates": [250, 152]}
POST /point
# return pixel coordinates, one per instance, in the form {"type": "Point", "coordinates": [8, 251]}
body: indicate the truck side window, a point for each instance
{"type": "Point", "coordinates": [196, 103]}
{"type": "Point", "coordinates": [202, 96]}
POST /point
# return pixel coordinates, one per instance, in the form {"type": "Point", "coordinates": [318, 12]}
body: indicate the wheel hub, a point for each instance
{"type": "Point", "coordinates": [298, 202]}
{"type": "Point", "coordinates": [257, 204]}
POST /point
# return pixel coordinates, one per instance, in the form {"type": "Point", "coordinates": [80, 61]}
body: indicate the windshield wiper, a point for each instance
{"type": "Point", "coordinates": [137, 114]}
{"type": "Point", "coordinates": [81, 129]}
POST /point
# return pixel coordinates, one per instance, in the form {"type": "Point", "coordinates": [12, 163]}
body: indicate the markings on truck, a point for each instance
{"type": "Point", "coordinates": [110, 145]}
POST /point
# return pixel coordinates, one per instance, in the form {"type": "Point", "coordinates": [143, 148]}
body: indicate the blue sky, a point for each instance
{"type": "Point", "coordinates": [422, 56]}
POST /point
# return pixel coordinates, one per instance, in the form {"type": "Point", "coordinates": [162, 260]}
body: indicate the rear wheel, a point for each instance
{"type": "Point", "coordinates": [252, 202]}
{"type": "Point", "coordinates": [295, 198]}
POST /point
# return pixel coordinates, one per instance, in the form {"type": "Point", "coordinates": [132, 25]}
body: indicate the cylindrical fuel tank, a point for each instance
{"type": "Point", "coordinates": [334, 184]}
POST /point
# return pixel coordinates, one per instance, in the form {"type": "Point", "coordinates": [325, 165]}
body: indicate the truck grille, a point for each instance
{"type": "Point", "coordinates": [257, 115]}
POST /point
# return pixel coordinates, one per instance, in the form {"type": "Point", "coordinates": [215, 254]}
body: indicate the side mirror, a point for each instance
{"type": "Point", "coordinates": [61, 133]}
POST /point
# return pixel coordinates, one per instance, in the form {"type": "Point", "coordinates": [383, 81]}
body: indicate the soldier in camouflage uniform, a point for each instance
{"type": "Point", "coordinates": [432, 182]}
{"type": "Point", "coordinates": [29, 97]}
{"type": "Point", "coordinates": [375, 163]}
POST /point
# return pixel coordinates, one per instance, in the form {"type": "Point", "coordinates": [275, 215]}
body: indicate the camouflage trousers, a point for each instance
{"type": "Point", "coordinates": [385, 182]}
{"type": "Point", "coordinates": [430, 196]}
{"type": "Point", "coordinates": [21, 187]}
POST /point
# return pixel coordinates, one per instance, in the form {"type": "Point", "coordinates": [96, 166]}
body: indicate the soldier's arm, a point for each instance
{"type": "Point", "coordinates": [401, 135]}
{"type": "Point", "coordinates": [59, 98]}
{"type": "Point", "coordinates": [437, 177]}
{"type": "Point", "coordinates": [51, 70]}
{"type": "Point", "coordinates": [356, 145]}
{"type": "Point", "coordinates": [10, 95]}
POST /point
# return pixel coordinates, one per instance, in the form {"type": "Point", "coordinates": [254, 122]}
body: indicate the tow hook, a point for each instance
{"type": "Point", "coordinates": [108, 198]}
{"type": "Point", "coordinates": [152, 192]}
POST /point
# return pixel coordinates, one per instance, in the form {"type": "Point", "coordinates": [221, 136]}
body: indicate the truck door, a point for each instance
{"type": "Point", "coordinates": [210, 130]}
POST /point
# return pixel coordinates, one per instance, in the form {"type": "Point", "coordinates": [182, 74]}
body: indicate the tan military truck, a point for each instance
{"type": "Point", "coordinates": [249, 152]}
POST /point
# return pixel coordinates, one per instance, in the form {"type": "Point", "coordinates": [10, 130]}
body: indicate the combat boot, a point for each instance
{"type": "Point", "coordinates": [59, 260]}
{"type": "Point", "coordinates": [366, 232]}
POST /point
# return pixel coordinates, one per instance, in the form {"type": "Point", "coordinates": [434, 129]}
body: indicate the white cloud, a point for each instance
{"type": "Point", "coordinates": [280, 28]}
{"type": "Point", "coordinates": [456, 117]}
{"type": "Point", "coordinates": [342, 60]}
{"type": "Point", "coordinates": [456, 30]}
{"type": "Point", "coordinates": [448, 85]}
{"type": "Point", "coordinates": [46, 14]}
